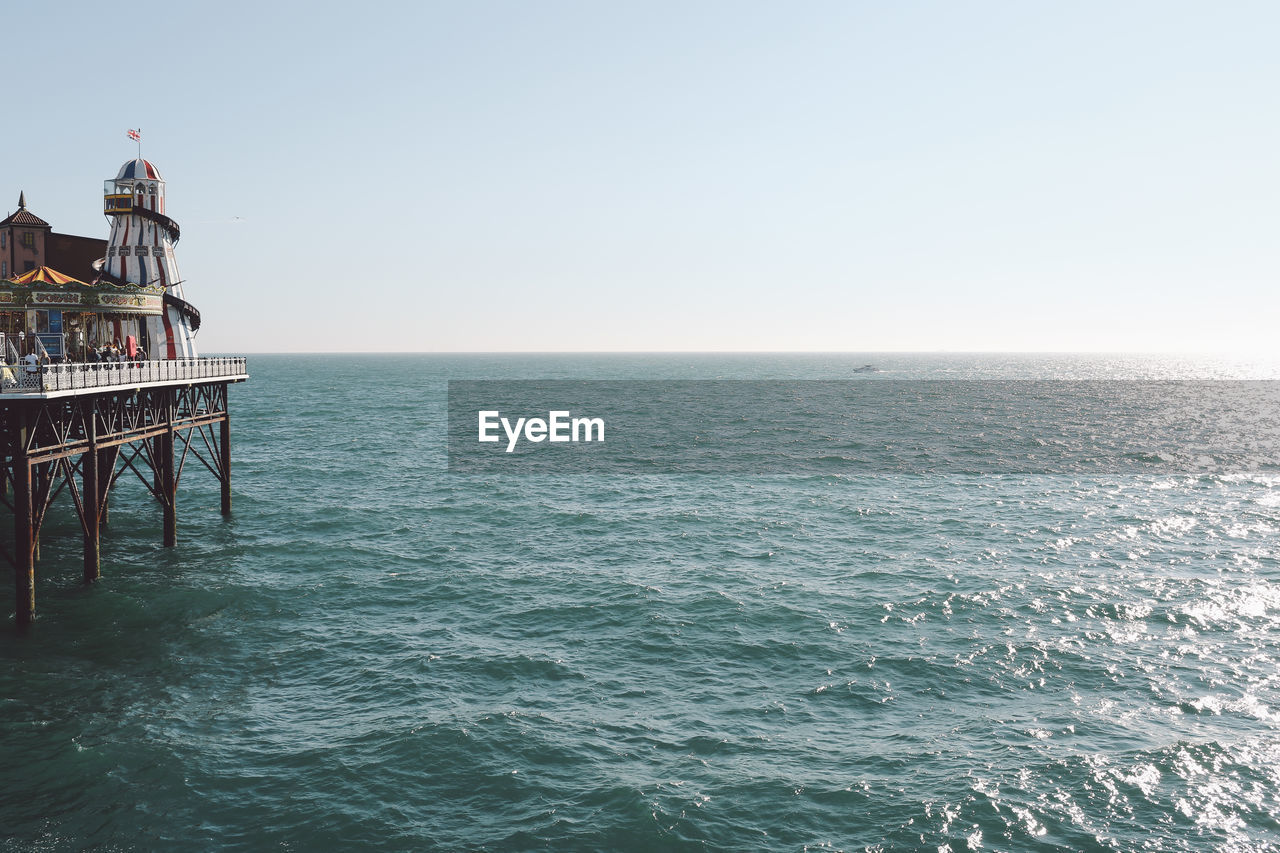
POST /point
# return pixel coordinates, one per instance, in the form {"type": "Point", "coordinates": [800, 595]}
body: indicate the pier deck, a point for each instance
{"type": "Point", "coordinates": [76, 428]}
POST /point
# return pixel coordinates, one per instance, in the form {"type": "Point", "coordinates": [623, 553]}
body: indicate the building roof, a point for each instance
{"type": "Point", "coordinates": [24, 216]}
{"type": "Point", "coordinates": [139, 168]}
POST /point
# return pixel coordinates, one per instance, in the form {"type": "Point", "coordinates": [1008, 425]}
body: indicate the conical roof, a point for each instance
{"type": "Point", "coordinates": [45, 275]}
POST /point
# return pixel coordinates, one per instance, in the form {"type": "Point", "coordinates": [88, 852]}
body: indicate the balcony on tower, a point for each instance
{"type": "Point", "coordinates": [117, 197]}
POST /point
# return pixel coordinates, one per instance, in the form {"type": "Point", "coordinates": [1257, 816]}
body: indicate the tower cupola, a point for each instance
{"type": "Point", "coordinates": [137, 185]}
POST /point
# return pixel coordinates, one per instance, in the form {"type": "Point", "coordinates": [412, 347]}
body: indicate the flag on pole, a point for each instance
{"type": "Point", "coordinates": [135, 135]}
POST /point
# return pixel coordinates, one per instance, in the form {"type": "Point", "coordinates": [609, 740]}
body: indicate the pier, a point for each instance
{"type": "Point", "coordinates": [76, 428]}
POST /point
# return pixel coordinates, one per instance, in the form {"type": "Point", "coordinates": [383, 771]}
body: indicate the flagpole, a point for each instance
{"type": "Point", "coordinates": [139, 143]}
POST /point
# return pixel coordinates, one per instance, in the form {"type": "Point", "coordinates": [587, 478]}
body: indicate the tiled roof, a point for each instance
{"type": "Point", "coordinates": [25, 217]}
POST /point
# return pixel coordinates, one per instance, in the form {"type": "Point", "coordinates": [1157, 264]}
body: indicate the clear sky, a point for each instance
{"type": "Point", "coordinates": [591, 175]}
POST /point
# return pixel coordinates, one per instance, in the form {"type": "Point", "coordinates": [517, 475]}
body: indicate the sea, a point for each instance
{"type": "Point", "coordinates": [1058, 633]}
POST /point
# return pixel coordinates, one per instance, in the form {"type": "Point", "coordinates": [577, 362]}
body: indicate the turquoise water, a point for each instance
{"type": "Point", "coordinates": [374, 653]}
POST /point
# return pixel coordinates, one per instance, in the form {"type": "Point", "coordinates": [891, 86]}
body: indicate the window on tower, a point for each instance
{"type": "Point", "coordinates": [29, 239]}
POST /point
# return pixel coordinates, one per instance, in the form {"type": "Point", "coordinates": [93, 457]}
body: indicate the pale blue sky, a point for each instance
{"type": "Point", "coordinates": [679, 176]}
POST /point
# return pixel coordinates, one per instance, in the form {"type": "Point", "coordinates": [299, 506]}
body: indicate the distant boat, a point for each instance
{"type": "Point", "coordinates": [867, 368]}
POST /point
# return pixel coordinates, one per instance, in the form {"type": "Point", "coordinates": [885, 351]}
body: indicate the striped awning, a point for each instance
{"type": "Point", "coordinates": [46, 275]}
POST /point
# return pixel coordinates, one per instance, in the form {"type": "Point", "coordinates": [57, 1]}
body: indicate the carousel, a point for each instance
{"type": "Point", "coordinates": [60, 318]}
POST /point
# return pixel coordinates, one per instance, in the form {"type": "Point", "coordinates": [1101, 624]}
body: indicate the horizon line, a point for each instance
{"type": "Point", "coordinates": [1229, 353]}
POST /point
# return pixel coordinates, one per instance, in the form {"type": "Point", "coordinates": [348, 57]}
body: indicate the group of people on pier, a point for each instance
{"type": "Point", "coordinates": [113, 352]}
{"type": "Point", "coordinates": [110, 353]}
{"type": "Point", "coordinates": [23, 371]}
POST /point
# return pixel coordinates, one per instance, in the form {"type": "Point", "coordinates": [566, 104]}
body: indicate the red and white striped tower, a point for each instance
{"type": "Point", "coordinates": [140, 252]}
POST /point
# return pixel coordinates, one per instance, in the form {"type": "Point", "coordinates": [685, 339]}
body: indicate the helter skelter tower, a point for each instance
{"type": "Point", "coordinates": [140, 253]}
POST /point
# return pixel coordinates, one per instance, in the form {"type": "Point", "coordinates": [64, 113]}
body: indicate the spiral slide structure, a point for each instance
{"type": "Point", "coordinates": [140, 252]}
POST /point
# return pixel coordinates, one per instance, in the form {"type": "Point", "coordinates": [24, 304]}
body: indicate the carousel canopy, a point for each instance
{"type": "Point", "coordinates": [44, 287]}
{"type": "Point", "coordinates": [46, 276]}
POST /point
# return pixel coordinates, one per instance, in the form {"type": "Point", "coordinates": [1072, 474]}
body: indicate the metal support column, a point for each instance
{"type": "Point", "coordinates": [91, 500]}
{"type": "Point", "coordinates": [224, 450]}
{"type": "Point", "coordinates": [24, 569]}
{"type": "Point", "coordinates": [168, 476]}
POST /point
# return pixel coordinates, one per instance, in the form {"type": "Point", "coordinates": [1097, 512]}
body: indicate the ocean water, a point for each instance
{"type": "Point", "coordinates": [375, 653]}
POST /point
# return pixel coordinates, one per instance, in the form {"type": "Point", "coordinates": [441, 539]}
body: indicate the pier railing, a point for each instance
{"type": "Point", "coordinates": [46, 378]}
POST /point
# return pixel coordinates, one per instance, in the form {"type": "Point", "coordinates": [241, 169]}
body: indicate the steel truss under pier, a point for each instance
{"type": "Point", "coordinates": [80, 442]}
